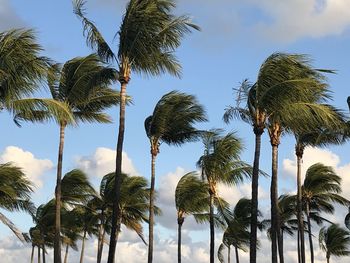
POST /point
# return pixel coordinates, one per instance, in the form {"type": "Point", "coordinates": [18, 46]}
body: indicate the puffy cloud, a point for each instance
{"type": "Point", "coordinates": [294, 19]}
{"type": "Point", "coordinates": [8, 17]}
{"type": "Point", "coordinates": [33, 168]}
{"type": "Point", "coordinates": [102, 162]}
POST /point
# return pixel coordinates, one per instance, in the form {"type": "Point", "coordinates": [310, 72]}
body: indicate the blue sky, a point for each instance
{"type": "Point", "coordinates": [236, 37]}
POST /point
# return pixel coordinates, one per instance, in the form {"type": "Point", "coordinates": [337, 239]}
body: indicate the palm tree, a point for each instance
{"type": "Point", "coordinates": [220, 163]}
{"type": "Point", "coordinates": [321, 188]}
{"type": "Point", "coordinates": [148, 37]}
{"type": "Point", "coordinates": [22, 67]}
{"type": "Point", "coordinates": [191, 197]}
{"type": "Point", "coordinates": [335, 241]}
{"type": "Point", "coordinates": [320, 136]}
{"type": "Point", "coordinates": [134, 204]}
{"type": "Point", "coordinates": [253, 112]}
{"type": "Point", "coordinates": [81, 85]}
{"type": "Point", "coordinates": [291, 92]}
{"type": "Point", "coordinates": [172, 122]}
{"type": "Point", "coordinates": [15, 190]}
{"type": "Point", "coordinates": [237, 233]}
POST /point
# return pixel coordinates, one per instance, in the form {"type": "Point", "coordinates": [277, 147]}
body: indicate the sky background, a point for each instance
{"type": "Point", "coordinates": [236, 37]}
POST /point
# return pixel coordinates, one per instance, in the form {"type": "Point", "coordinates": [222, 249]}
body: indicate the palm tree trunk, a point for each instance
{"type": "Point", "coordinates": [32, 255]}
{"type": "Point", "coordinates": [100, 246]}
{"type": "Point", "coordinates": [212, 229]}
{"type": "Point", "coordinates": [179, 225]}
{"type": "Point", "coordinates": [309, 232]}
{"type": "Point", "coordinates": [298, 243]}
{"type": "Point", "coordinates": [82, 248]}
{"type": "Point", "coordinates": [328, 257]}
{"type": "Point", "coordinates": [229, 254]}
{"type": "Point", "coordinates": [66, 254]}
{"type": "Point", "coordinates": [118, 171]}
{"type": "Point", "coordinates": [237, 255]}
{"type": "Point", "coordinates": [299, 153]}
{"type": "Point", "coordinates": [151, 206]}
{"type": "Point", "coordinates": [100, 238]}
{"type": "Point", "coordinates": [274, 200]}
{"type": "Point", "coordinates": [255, 185]}
{"type": "Point", "coordinates": [39, 255]}
{"type": "Point", "coordinates": [44, 254]}
{"type": "Point", "coordinates": [57, 240]}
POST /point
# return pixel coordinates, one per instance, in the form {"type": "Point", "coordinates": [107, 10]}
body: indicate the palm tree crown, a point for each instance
{"type": "Point", "coordinates": [335, 241]}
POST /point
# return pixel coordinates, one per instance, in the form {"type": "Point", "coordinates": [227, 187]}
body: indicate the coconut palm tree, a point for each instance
{"type": "Point", "coordinates": [82, 85]}
{"type": "Point", "coordinates": [320, 190]}
{"type": "Point", "coordinates": [171, 122]}
{"type": "Point", "coordinates": [191, 197]}
{"type": "Point", "coordinates": [148, 37]}
{"type": "Point", "coordinates": [320, 136]}
{"type": "Point", "coordinates": [15, 190]}
{"type": "Point", "coordinates": [335, 241]}
{"type": "Point", "coordinates": [220, 163]}
{"type": "Point", "coordinates": [134, 205]}
{"type": "Point", "coordinates": [22, 68]}
{"type": "Point", "coordinates": [253, 112]}
{"type": "Point", "coordinates": [237, 233]}
{"type": "Point", "coordinates": [293, 93]}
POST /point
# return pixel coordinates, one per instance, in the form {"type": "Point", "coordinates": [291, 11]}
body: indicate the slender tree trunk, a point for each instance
{"type": "Point", "coordinates": [44, 253]}
{"type": "Point", "coordinates": [100, 239]}
{"type": "Point", "coordinates": [328, 257]}
{"type": "Point", "coordinates": [32, 255]}
{"type": "Point", "coordinates": [237, 255]}
{"type": "Point", "coordinates": [212, 229]}
{"type": "Point", "coordinates": [255, 186]}
{"type": "Point", "coordinates": [179, 226]}
{"type": "Point", "coordinates": [39, 255]}
{"type": "Point", "coordinates": [298, 243]}
{"type": "Point", "coordinates": [118, 171]}
{"type": "Point", "coordinates": [151, 204]}
{"type": "Point", "coordinates": [229, 254]}
{"type": "Point", "coordinates": [299, 153]}
{"type": "Point", "coordinates": [99, 256]}
{"type": "Point", "coordinates": [82, 247]}
{"type": "Point", "coordinates": [117, 237]}
{"type": "Point", "coordinates": [310, 233]}
{"type": "Point", "coordinates": [57, 240]}
{"type": "Point", "coordinates": [274, 200]}
{"type": "Point", "coordinates": [66, 254]}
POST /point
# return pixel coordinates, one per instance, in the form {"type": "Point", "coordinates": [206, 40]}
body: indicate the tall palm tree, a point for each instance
{"type": "Point", "coordinates": [82, 85]}
{"type": "Point", "coordinates": [292, 93]}
{"type": "Point", "coordinates": [220, 163]}
{"type": "Point", "coordinates": [21, 68]}
{"type": "Point", "coordinates": [191, 197]}
{"type": "Point", "coordinates": [320, 190]}
{"type": "Point", "coordinates": [253, 112]}
{"type": "Point", "coordinates": [148, 37]}
{"type": "Point", "coordinates": [335, 241]}
{"type": "Point", "coordinates": [15, 190]}
{"type": "Point", "coordinates": [171, 122]}
{"type": "Point", "coordinates": [237, 233]}
{"type": "Point", "coordinates": [320, 136]}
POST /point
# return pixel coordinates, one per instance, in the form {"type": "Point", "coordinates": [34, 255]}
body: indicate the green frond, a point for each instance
{"type": "Point", "coordinates": [22, 68]}
{"type": "Point", "coordinates": [334, 240]}
{"type": "Point", "coordinates": [149, 35]}
{"type": "Point", "coordinates": [173, 119]}
{"type": "Point", "coordinates": [94, 38]}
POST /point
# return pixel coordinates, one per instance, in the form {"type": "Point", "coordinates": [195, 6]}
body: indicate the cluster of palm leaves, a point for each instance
{"type": "Point", "coordinates": [288, 97]}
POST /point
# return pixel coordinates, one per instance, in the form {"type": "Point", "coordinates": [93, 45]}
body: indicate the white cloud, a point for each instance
{"type": "Point", "coordinates": [294, 19]}
{"type": "Point", "coordinates": [102, 162]}
{"type": "Point", "coordinates": [8, 17]}
{"type": "Point", "coordinates": [33, 168]}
